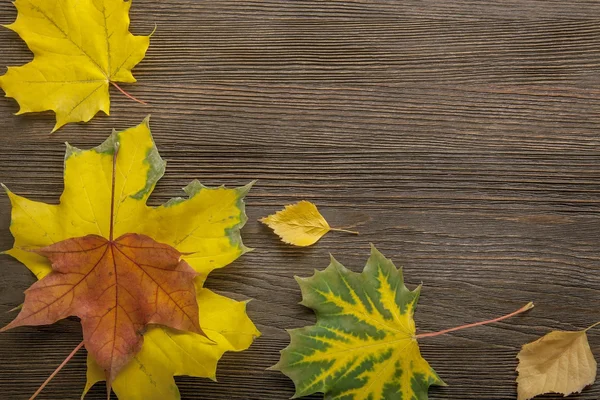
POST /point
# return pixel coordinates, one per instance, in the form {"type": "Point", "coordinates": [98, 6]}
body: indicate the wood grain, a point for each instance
{"type": "Point", "coordinates": [461, 137]}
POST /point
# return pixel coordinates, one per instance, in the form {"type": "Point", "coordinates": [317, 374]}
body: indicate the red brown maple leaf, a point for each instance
{"type": "Point", "coordinates": [116, 287]}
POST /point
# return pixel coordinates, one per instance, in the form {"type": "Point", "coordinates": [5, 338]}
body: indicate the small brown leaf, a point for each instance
{"type": "Point", "coordinates": [117, 287]}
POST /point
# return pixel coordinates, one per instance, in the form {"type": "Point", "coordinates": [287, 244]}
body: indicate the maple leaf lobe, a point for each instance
{"type": "Point", "coordinates": [116, 288]}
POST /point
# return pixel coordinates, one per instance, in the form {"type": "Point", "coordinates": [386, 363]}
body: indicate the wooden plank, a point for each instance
{"type": "Point", "coordinates": [459, 137]}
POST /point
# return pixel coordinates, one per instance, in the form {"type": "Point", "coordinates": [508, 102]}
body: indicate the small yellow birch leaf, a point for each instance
{"type": "Point", "coordinates": [559, 362]}
{"type": "Point", "coordinates": [80, 47]}
{"type": "Point", "coordinates": [299, 224]}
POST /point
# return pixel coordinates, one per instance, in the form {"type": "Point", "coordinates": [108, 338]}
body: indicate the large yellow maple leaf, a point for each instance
{"type": "Point", "coordinates": [80, 47]}
{"type": "Point", "coordinates": [204, 228]}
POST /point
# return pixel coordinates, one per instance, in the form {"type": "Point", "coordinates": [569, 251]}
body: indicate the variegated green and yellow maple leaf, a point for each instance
{"type": "Point", "coordinates": [204, 228]}
{"type": "Point", "coordinates": [364, 345]}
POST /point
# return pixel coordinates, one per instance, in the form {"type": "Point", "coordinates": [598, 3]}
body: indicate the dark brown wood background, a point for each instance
{"type": "Point", "coordinates": [460, 137]}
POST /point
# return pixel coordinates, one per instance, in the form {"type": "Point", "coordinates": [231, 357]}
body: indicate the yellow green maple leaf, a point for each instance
{"type": "Point", "coordinates": [80, 47]}
{"type": "Point", "coordinates": [364, 344]}
{"type": "Point", "coordinates": [204, 227]}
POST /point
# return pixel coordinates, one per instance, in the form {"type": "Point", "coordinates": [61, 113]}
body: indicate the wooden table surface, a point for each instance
{"type": "Point", "coordinates": [462, 138]}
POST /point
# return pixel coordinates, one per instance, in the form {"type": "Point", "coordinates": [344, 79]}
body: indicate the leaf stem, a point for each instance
{"type": "Point", "coordinates": [127, 94]}
{"type": "Point", "coordinates": [343, 230]}
{"type": "Point", "coordinates": [526, 307]}
{"type": "Point", "coordinates": [112, 192]}
{"type": "Point", "coordinates": [591, 326]}
{"type": "Point", "coordinates": [57, 370]}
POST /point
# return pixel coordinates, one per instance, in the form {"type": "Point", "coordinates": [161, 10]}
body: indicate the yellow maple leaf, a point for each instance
{"type": "Point", "coordinates": [205, 228]}
{"type": "Point", "coordinates": [79, 47]}
{"type": "Point", "coordinates": [300, 224]}
{"type": "Point", "coordinates": [559, 362]}
{"type": "Point", "coordinates": [167, 352]}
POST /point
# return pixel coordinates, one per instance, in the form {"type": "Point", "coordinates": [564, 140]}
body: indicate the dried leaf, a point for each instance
{"type": "Point", "coordinates": [559, 362]}
{"type": "Point", "coordinates": [364, 344]}
{"type": "Point", "coordinates": [299, 224]}
{"type": "Point", "coordinates": [116, 287]}
{"type": "Point", "coordinates": [194, 235]}
{"type": "Point", "coordinates": [80, 47]}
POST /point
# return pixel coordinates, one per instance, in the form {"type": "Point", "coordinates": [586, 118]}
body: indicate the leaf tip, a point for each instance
{"type": "Point", "coordinates": [418, 288]}
{"type": "Point", "coordinates": [70, 150]}
{"type": "Point", "coordinates": [376, 253]}
{"type": "Point", "coordinates": [273, 368]}
{"type": "Point", "coordinates": [374, 249]}
{"type": "Point", "coordinates": [332, 259]}
{"type": "Point", "coordinates": [57, 126]}
{"type": "Point", "coordinates": [193, 188]}
{"type": "Point", "coordinates": [17, 308]}
{"type": "Point", "coordinates": [243, 190]}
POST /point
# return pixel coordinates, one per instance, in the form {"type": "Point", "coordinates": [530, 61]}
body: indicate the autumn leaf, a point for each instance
{"type": "Point", "coordinates": [300, 224]}
{"type": "Point", "coordinates": [158, 261]}
{"type": "Point", "coordinates": [364, 344]}
{"type": "Point", "coordinates": [80, 47]}
{"type": "Point", "coordinates": [116, 287]}
{"type": "Point", "coordinates": [167, 352]}
{"type": "Point", "coordinates": [559, 362]}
